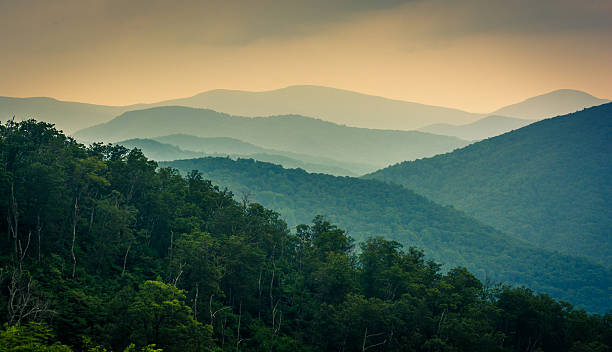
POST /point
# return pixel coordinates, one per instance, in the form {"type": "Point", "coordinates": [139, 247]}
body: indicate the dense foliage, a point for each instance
{"type": "Point", "coordinates": [368, 208]}
{"type": "Point", "coordinates": [104, 251]}
{"type": "Point", "coordinates": [548, 183]}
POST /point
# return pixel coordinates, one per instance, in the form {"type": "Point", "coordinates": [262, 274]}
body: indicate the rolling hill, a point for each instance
{"type": "Point", "coordinates": [155, 150]}
{"type": "Point", "coordinates": [224, 146]}
{"type": "Point", "coordinates": [227, 147]}
{"type": "Point", "coordinates": [369, 208]}
{"type": "Point", "coordinates": [330, 104]}
{"type": "Point", "coordinates": [558, 102]}
{"type": "Point", "coordinates": [291, 133]}
{"type": "Point", "coordinates": [67, 116]}
{"type": "Point", "coordinates": [548, 183]}
{"type": "Point", "coordinates": [489, 126]}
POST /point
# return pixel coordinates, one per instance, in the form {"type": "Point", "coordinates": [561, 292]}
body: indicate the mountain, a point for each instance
{"type": "Point", "coordinates": [211, 145]}
{"type": "Point", "coordinates": [159, 151]}
{"type": "Point", "coordinates": [155, 150]}
{"type": "Point", "coordinates": [329, 104]}
{"type": "Point", "coordinates": [548, 183]}
{"type": "Point", "coordinates": [102, 250]}
{"type": "Point", "coordinates": [489, 126]}
{"type": "Point", "coordinates": [292, 133]}
{"type": "Point", "coordinates": [369, 207]}
{"type": "Point", "coordinates": [67, 116]}
{"type": "Point", "coordinates": [223, 146]}
{"type": "Point", "coordinates": [558, 102]}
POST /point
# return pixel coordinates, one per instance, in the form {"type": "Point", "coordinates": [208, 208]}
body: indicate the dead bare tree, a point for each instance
{"type": "Point", "coordinates": [75, 216]}
{"type": "Point", "coordinates": [365, 338]}
{"type": "Point", "coordinates": [213, 314]}
{"type": "Point", "coordinates": [23, 302]}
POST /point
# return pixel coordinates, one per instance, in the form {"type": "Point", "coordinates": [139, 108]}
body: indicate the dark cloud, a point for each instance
{"type": "Point", "coordinates": [35, 26]}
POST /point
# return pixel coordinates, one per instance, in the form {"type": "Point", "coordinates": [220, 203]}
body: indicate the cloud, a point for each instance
{"type": "Point", "coordinates": [473, 54]}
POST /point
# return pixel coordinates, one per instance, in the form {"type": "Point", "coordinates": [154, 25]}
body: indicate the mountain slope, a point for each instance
{"type": "Point", "coordinates": [548, 183]}
{"type": "Point", "coordinates": [158, 151]}
{"type": "Point", "coordinates": [292, 133]}
{"type": "Point", "coordinates": [223, 146]}
{"type": "Point", "coordinates": [330, 104]}
{"type": "Point", "coordinates": [368, 207]}
{"type": "Point", "coordinates": [489, 126]}
{"type": "Point", "coordinates": [558, 102]}
{"type": "Point", "coordinates": [67, 116]}
{"type": "Point", "coordinates": [211, 145]}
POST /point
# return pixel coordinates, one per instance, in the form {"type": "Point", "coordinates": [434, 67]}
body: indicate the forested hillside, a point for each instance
{"type": "Point", "coordinates": [103, 250]}
{"type": "Point", "coordinates": [155, 150]}
{"type": "Point", "coordinates": [290, 133]}
{"type": "Point", "coordinates": [370, 208]}
{"type": "Point", "coordinates": [548, 183]}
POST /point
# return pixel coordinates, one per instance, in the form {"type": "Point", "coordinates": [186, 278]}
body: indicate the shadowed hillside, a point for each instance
{"type": "Point", "coordinates": [548, 183]}
{"type": "Point", "coordinates": [368, 207]}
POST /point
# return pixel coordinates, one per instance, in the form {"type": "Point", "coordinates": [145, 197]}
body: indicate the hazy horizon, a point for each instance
{"type": "Point", "coordinates": [472, 55]}
{"type": "Point", "coordinates": [493, 110]}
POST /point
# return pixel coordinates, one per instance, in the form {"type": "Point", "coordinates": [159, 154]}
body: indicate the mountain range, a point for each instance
{"type": "Point", "coordinates": [547, 183]}
{"type": "Point", "coordinates": [291, 133]}
{"type": "Point", "coordinates": [330, 104]}
{"type": "Point", "coordinates": [370, 208]}
{"type": "Point", "coordinates": [558, 102]}
{"type": "Point", "coordinates": [178, 144]}
{"type": "Point", "coordinates": [486, 127]}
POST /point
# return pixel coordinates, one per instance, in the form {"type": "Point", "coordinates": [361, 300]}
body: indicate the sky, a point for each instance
{"type": "Point", "coordinates": [476, 55]}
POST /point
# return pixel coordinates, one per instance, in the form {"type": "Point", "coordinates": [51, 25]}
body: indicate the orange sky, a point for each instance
{"type": "Point", "coordinates": [475, 55]}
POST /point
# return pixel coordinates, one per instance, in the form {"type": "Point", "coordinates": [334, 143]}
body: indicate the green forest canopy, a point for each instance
{"type": "Point", "coordinates": [367, 208]}
{"type": "Point", "coordinates": [548, 183]}
{"type": "Point", "coordinates": [103, 250]}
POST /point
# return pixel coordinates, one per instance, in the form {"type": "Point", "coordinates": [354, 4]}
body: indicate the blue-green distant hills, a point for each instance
{"type": "Point", "coordinates": [549, 183]}
{"type": "Point", "coordinates": [289, 133]}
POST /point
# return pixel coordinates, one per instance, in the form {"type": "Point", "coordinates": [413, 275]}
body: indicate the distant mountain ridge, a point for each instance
{"type": "Point", "coordinates": [489, 126]}
{"type": "Point", "coordinates": [233, 148]}
{"type": "Point", "coordinates": [331, 104]}
{"type": "Point", "coordinates": [291, 133]}
{"type": "Point", "coordinates": [549, 183]}
{"type": "Point", "coordinates": [555, 103]}
{"type": "Point", "coordinates": [67, 116]}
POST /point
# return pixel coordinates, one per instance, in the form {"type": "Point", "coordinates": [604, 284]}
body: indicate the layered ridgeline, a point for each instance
{"type": "Point", "coordinates": [291, 133]}
{"type": "Point", "coordinates": [67, 116]}
{"type": "Point", "coordinates": [234, 147]}
{"type": "Point", "coordinates": [548, 183]}
{"type": "Point", "coordinates": [490, 126]}
{"type": "Point", "coordinates": [558, 102]}
{"type": "Point", "coordinates": [101, 250]}
{"type": "Point", "coordinates": [330, 104]}
{"type": "Point", "coordinates": [368, 208]}
{"type": "Point", "coordinates": [198, 147]}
